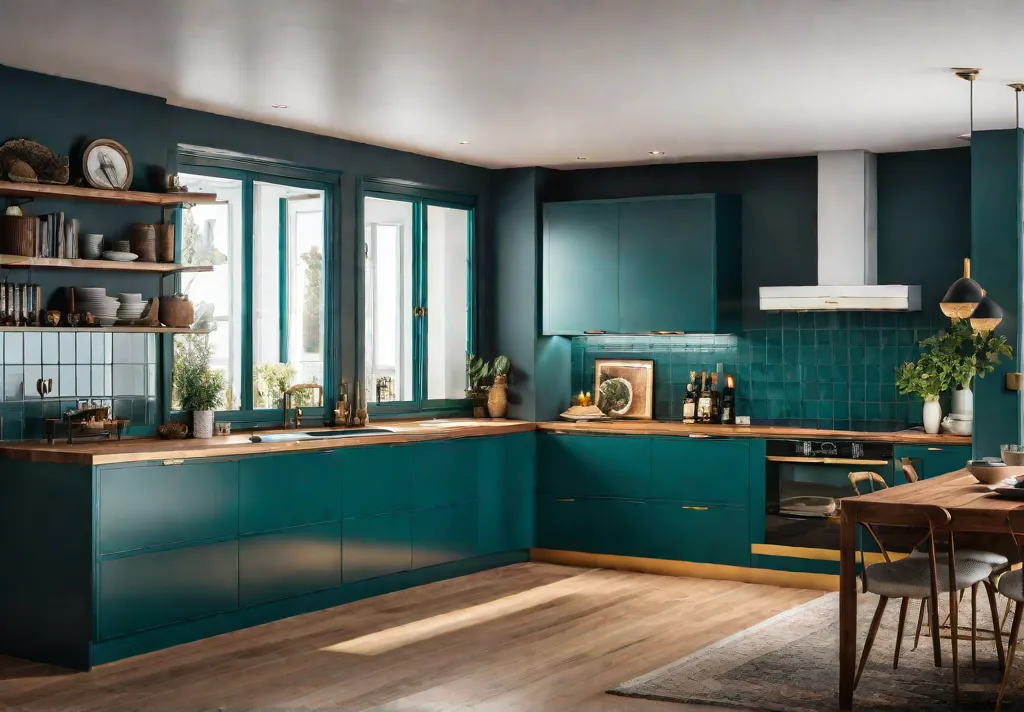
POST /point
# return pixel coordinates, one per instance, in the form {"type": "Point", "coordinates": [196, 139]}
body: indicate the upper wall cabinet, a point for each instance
{"type": "Point", "coordinates": [642, 265]}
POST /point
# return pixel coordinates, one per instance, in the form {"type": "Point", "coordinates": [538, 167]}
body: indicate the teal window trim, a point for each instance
{"type": "Point", "coordinates": [421, 198]}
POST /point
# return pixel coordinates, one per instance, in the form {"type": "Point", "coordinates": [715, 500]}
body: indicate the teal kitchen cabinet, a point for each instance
{"type": "Point", "coordinates": [376, 546]}
{"type": "Point", "coordinates": [289, 562]}
{"type": "Point", "coordinates": [154, 589]}
{"type": "Point", "coordinates": [154, 504]}
{"type": "Point", "coordinates": [593, 465]}
{"type": "Point", "coordinates": [930, 460]}
{"type": "Point", "coordinates": [709, 534]}
{"type": "Point", "coordinates": [506, 488]}
{"type": "Point", "coordinates": [280, 491]}
{"type": "Point", "coordinates": [444, 472]}
{"type": "Point", "coordinates": [646, 264]}
{"type": "Point", "coordinates": [580, 267]}
{"type": "Point", "coordinates": [562, 523]}
{"type": "Point", "coordinates": [444, 534]}
{"type": "Point", "coordinates": [376, 479]}
{"type": "Point", "coordinates": [699, 470]}
{"type": "Point", "coordinates": [617, 526]}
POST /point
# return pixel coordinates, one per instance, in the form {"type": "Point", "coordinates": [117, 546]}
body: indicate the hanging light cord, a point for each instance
{"type": "Point", "coordinates": [971, 82]}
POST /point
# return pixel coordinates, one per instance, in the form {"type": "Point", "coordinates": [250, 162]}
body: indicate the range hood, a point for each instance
{"type": "Point", "coordinates": [847, 246]}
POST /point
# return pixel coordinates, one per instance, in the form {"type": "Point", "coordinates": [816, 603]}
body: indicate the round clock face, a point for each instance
{"type": "Point", "coordinates": [107, 166]}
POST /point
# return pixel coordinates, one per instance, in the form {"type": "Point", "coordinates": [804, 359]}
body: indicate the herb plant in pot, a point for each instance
{"type": "Point", "coordinates": [477, 373]}
{"type": "Point", "coordinates": [967, 353]}
{"type": "Point", "coordinates": [197, 388]}
{"type": "Point", "coordinates": [497, 396]}
{"type": "Point", "coordinates": [927, 378]}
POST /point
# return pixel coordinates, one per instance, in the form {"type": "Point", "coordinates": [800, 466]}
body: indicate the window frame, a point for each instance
{"type": "Point", "coordinates": [421, 199]}
{"type": "Point", "coordinates": [251, 170]}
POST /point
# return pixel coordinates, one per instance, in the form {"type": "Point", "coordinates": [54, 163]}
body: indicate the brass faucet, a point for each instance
{"type": "Point", "coordinates": [286, 402]}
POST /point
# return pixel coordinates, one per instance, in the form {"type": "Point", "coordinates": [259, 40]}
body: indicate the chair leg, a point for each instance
{"type": "Point", "coordinates": [948, 615]}
{"type": "Point", "coordinates": [994, 608]}
{"type": "Point", "coordinates": [872, 631]}
{"type": "Point", "coordinates": [974, 627]}
{"type": "Point", "coordinates": [1006, 614]}
{"type": "Point", "coordinates": [899, 634]}
{"type": "Point", "coordinates": [920, 621]}
{"type": "Point", "coordinates": [1009, 653]}
{"type": "Point", "coordinates": [935, 631]}
{"type": "Point", "coordinates": [954, 624]}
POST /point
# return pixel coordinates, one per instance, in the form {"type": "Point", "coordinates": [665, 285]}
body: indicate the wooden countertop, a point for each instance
{"type": "Point", "coordinates": [654, 427]}
{"type": "Point", "coordinates": [145, 449]}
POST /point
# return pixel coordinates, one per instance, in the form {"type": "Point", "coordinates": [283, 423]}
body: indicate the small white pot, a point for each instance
{"type": "Point", "coordinates": [962, 401]}
{"type": "Point", "coordinates": [202, 424]}
{"type": "Point", "coordinates": [932, 416]}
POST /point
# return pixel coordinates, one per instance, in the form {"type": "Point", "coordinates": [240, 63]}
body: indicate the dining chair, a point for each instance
{"type": "Point", "coordinates": [921, 578]}
{"type": "Point", "coordinates": [1011, 585]}
{"type": "Point", "coordinates": [909, 471]}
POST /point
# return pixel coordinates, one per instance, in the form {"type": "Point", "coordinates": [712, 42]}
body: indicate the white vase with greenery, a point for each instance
{"type": "Point", "coordinates": [966, 353]}
{"type": "Point", "coordinates": [197, 388]}
{"type": "Point", "coordinates": [927, 378]}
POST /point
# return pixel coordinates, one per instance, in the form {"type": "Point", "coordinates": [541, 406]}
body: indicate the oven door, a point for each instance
{"type": "Point", "coordinates": [805, 494]}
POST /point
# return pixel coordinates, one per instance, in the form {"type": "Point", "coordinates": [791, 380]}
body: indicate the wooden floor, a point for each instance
{"type": "Point", "coordinates": [528, 637]}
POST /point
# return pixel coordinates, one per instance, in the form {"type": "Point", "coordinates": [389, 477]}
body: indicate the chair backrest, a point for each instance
{"type": "Point", "coordinates": [909, 471]}
{"type": "Point", "coordinates": [927, 516]}
{"type": "Point", "coordinates": [874, 482]}
{"type": "Point", "coordinates": [1015, 524]}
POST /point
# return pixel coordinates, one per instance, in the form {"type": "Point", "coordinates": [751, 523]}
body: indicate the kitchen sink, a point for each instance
{"type": "Point", "coordinates": [320, 435]}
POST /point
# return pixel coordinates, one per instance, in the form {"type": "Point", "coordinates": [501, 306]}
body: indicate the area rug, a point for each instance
{"type": "Point", "coordinates": [790, 663]}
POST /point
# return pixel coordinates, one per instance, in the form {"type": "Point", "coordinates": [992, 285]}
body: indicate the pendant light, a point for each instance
{"type": "Point", "coordinates": [963, 296]}
{"type": "Point", "coordinates": [969, 74]}
{"type": "Point", "coordinates": [987, 316]}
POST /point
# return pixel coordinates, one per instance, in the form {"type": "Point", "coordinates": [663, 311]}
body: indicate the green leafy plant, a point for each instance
{"type": "Point", "coordinates": [270, 380]}
{"type": "Point", "coordinates": [195, 386]}
{"type": "Point", "coordinates": [500, 369]}
{"type": "Point", "coordinates": [927, 378]}
{"type": "Point", "coordinates": [477, 373]}
{"type": "Point", "coordinates": [614, 394]}
{"type": "Point", "coordinates": [967, 353]}
{"type": "Point", "coordinates": [311, 309]}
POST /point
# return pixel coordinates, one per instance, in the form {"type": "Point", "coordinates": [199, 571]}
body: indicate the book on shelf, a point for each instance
{"type": "Point", "coordinates": [56, 236]}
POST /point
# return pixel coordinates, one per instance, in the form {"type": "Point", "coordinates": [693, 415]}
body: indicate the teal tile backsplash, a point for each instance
{"type": "Point", "coordinates": [823, 370]}
{"type": "Point", "coordinates": [116, 370]}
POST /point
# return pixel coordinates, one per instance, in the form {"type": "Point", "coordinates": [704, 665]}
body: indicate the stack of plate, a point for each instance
{"type": "Point", "coordinates": [95, 301]}
{"type": "Point", "coordinates": [132, 306]}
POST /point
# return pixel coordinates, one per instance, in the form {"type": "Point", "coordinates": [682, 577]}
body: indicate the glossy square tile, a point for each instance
{"type": "Point", "coordinates": [51, 347]}
{"type": "Point", "coordinates": [33, 347]}
{"type": "Point", "coordinates": [101, 381]}
{"type": "Point", "coordinates": [83, 348]}
{"type": "Point", "coordinates": [67, 382]}
{"type": "Point", "coordinates": [68, 348]}
{"type": "Point", "coordinates": [83, 381]}
{"type": "Point", "coordinates": [14, 383]}
{"type": "Point", "coordinates": [128, 380]}
{"type": "Point", "coordinates": [14, 347]}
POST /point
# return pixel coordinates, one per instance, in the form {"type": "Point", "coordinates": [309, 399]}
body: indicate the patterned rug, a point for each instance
{"type": "Point", "coordinates": [790, 663]}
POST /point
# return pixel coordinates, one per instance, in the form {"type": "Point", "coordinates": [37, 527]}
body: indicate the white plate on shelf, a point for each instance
{"type": "Point", "coordinates": [120, 256]}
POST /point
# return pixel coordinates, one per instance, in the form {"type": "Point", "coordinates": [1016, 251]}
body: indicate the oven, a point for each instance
{"type": "Point", "coordinates": [806, 482]}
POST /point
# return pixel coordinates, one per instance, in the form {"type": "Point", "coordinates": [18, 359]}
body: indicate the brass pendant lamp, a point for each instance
{"type": "Point", "coordinates": [963, 296]}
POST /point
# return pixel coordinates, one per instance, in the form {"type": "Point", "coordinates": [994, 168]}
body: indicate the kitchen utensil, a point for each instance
{"type": "Point", "coordinates": [990, 473]}
{"type": "Point", "coordinates": [955, 426]}
{"type": "Point", "coordinates": [44, 386]}
{"type": "Point", "coordinates": [142, 238]}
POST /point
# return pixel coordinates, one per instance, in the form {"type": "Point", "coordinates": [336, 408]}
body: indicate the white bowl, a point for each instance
{"type": "Point", "coordinates": [126, 298]}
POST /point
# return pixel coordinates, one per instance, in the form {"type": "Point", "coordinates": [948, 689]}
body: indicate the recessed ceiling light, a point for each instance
{"type": "Point", "coordinates": [278, 106]}
{"type": "Point", "coordinates": [581, 158]}
{"type": "Point", "coordinates": [463, 143]}
{"type": "Point", "coordinates": [657, 153]}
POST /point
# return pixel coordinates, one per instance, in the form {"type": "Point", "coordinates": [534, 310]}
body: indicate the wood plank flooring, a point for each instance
{"type": "Point", "coordinates": [528, 637]}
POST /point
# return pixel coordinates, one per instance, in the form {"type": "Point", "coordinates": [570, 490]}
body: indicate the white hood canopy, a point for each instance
{"type": "Point", "coordinates": [847, 246]}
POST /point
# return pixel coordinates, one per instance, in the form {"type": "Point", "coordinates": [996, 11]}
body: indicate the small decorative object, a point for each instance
{"type": "Point", "coordinates": [174, 184]}
{"type": "Point", "coordinates": [90, 246]}
{"type": "Point", "coordinates": [956, 424]}
{"type": "Point", "coordinates": [584, 400]}
{"type": "Point", "coordinates": [477, 371]}
{"type": "Point", "coordinates": [151, 314]}
{"type": "Point", "coordinates": [73, 319]}
{"type": "Point", "coordinates": [172, 431]}
{"type": "Point", "coordinates": [116, 256]}
{"type": "Point", "coordinates": [223, 429]}
{"type": "Point", "coordinates": [497, 395]}
{"type": "Point", "coordinates": [385, 389]}
{"type": "Point", "coordinates": [177, 311]}
{"type": "Point", "coordinates": [927, 378]}
{"type": "Point", "coordinates": [121, 246]}
{"type": "Point", "coordinates": [1012, 454]}
{"type": "Point", "coordinates": [165, 243]}
{"type": "Point", "coordinates": [198, 388]}
{"type": "Point", "coordinates": [26, 161]}
{"type": "Point", "coordinates": [993, 472]}
{"type": "Point", "coordinates": [625, 389]}
{"type": "Point", "coordinates": [13, 210]}
{"type": "Point", "coordinates": [142, 241]}
{"type": "Point", "coordinates": [18, 235]}
{"type": "Point", "coordinates": [107, 164]}
{"type": "Point", "coordinates": [583, 413]}
{"type": "Point", "coordinates": [53, 318]}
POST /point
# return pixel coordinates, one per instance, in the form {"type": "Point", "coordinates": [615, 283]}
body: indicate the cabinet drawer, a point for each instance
{"type": "Point", "coordinates": [561, 524]}
{"type": "Point", "coordinates": [593, 466]}
{"type": "Point", "coordinates": [505, 487]}
{"type": "Point", "coordinates": [376, 546]}
{"type": "Point", "coordinates": [150, 590]}
{"type": "Point", "coordinates": [593, 525]}
{"type": "Point", "coordinates": [444, 473]}
{"type": "Point", "coordinates": [702, 534]}
{"type": "Point", "coordinates": [376, 479]}
{"type": "Point", "coordinates": [288, 563]}
{"type": "Point", "coordinates": [930, 460]}
{"type": "Point", "coordinates": [288, 491]}
{"type": "Point", "coordinates": [153, 504]}
{"type": "Point", "coordinates": [444, 534]}
{"type": "Point", "coordinates": [702, 471]}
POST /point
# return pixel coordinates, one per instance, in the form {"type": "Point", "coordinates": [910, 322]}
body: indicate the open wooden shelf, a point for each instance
{"type": "Point", "coordinates": [108, 329]}
{"type": "Point", "coordinates": [17, 261]}
{"type": "Point", "coordinates": [99, 195]}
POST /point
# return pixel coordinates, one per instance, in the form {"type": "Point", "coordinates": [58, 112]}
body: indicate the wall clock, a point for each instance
{"type": "Point", "coordinates": [107, 164]}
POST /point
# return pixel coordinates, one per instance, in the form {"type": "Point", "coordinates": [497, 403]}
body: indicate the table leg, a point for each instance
{"type": "Point", "coordinates": [847, 608]}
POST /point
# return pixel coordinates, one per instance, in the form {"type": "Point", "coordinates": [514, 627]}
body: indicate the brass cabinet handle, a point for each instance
{"type": "Point", "coordinates": [825, 460]}
{"type": "Point", "coordinates": [419, 311]}
{"type": "Point", "coordinates": [935, 449]}
{"type": "Point", "coordinates": [171, 463]}
{"type": "Point", "coordinates": [570, 499]}
{"type": "Point", "coordinates": [695, 509]}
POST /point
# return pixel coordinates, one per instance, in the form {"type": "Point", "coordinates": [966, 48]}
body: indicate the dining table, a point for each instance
{"type": "Point", "coordinates": [973, 507]}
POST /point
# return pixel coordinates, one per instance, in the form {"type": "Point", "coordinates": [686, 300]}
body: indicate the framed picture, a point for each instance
{"type": "Point", "coordinates": [625, 388]}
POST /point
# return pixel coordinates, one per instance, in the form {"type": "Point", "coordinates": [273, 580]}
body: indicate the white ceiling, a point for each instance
{"type": "Point", "coordinates": [540, 82]}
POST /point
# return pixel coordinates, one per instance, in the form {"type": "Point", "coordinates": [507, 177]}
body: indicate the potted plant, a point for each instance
{"type": "Point", "coordinates": [197, 388]}
{"type": "Point", "coordinates": [927, 378]}
{"type": "Point", "coordinates": [477, 372]}
{"type": "Point", "coordinates": [967, 353]}
{"type": "Point", "coordinates": [497, 396]}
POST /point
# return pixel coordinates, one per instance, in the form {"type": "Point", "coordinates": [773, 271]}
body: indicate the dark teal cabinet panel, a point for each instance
{"type": "Point", "coordinates": [153, 504]}
{"type": "Point", "coordinates": [283, 491]}
{"type": "Point", "coordinates": [593, 466]}
{"type": "Point", "coordinates": [150, 590]}
{"type": "Point", "coordinates": [702, 534]}
{"type": "Point", "coordinates": [666, 275]}
{"type": "Point", "coordinates": [701, 470]}
{"type": "Point", "coordinates": [580, 268]}
{"type": "Point", "coordinates": [444, 472]}
{"type": "Point", "coordinates": [444, 534]}
{"type": "Point", "coordinates": [376, 546]}
{"type": "Point", "coordinates": [377, 479]}
{"type": "Point", "coordinates": [561, 524]}
{"type": "Point", "coordinates": [617, 526]}
{"type": "Point", "coordinates": [506, 488]}
{"type": "Point", "coordinates": [288, 563]}
{"type": "Point", "coordinates": [930, 460]}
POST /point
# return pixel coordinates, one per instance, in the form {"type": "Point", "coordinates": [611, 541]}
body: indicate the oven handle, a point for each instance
{"type": "Point", "coordinates": [825, 460]}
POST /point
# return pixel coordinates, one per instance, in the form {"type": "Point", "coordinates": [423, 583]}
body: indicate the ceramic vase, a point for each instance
{"type": "Point", "coordinates": [202, 424]}
{"type": "Point", "coordinates": [932, 416]}
{"type": "Point", "coordinates": [962, 401]}
{"type": "Point", "coordinates": [497, 398]}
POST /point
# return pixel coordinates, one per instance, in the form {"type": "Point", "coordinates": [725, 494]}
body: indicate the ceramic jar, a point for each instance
{"type": "Point", "coordinates": [932, 416]}
{"type": "Point", "coordinates": [202, 424]}
{"type": "Point", "coordinates": [497, 398]}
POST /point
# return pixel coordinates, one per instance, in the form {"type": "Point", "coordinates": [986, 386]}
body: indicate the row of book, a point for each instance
{"type": "Point", "coordinates": [57, 236]}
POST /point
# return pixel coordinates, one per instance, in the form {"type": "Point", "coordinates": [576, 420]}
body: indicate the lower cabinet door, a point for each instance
{"type": "Point", "coordinates": [561, 523]}
{"type": "Point", "coordinates": [616, 526]}
{"type": "Point", "coordinates": [506, 489]}
{"type": "Point", "coordinates": [930, 460]}
{"type": "Point", "coordinates": [376, 546]}
{"type": "Point", "coordinates": [702, 534]}
{"type": "Point", "coordinates": [151, 590]}
{"type": "Point", "coordinates": [444, 534]}
{"type": "Point", "coordinates": [288, 563]}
